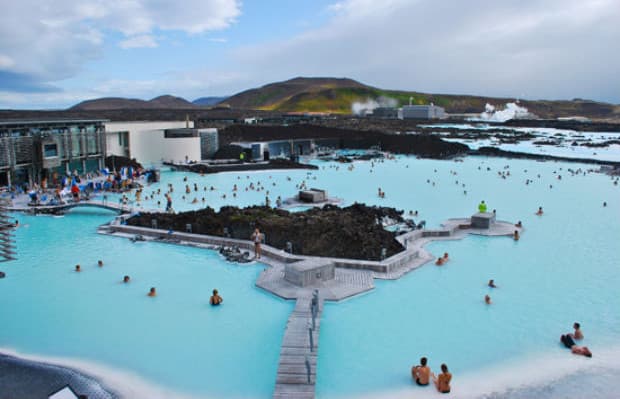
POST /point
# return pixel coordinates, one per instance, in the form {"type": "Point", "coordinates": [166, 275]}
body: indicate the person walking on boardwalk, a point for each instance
{"type": "Point", "coordinates": [257, 238]}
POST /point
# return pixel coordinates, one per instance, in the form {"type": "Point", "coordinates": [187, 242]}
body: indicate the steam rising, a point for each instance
{"type": "Point", "coordinates": [510, 111]}
{"type": "Point", "coordinates": [366, 107]}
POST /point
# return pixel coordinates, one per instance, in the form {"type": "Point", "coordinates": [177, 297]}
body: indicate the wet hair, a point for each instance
{"type": "Point", "coordinates": [423, 361]}
{"type": "Point", "coordinates": [577, 325]}
{"type": "Point", "coordinates": [214, 292]}
{"type": "Point", "coordinates": [444, 368]}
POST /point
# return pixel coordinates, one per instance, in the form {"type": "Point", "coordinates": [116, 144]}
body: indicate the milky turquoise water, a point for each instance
{"type": "Point", "coordinates": [564, 269]}
{"type": "Point", "coordinates": [176, 339]}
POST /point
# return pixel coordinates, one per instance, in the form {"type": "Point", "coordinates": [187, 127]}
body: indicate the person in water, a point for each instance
{"type": "Point", "coordinates": [487, 299]}
{"type": "Point", "coordinates": [439, 262]}
{"type": "Point", "coordinates": [578, 335]}
{"type": "Point", "coordinates": [78, 268]}
{"type": "Point", "coordinates": [421, 374]}
{"type": "Point", "coordinates": [257, 238]}
{"type": "Point", "coordinates": [152, 292]}
{"type": "Point", "coordinates": [100, 263]}
{"type": "Point", "coordinates": [442, 381]}
{"type": "Point", "coordinates": [568, 342]}
{"type": "Point", "coordinates": [540, 211]}
{"type": "Point", "coordinates": [515, 236]}
{"type": "Point", "coordinates": [492, 284]}
{"type": "Point", "coordinates": [215, 299]}
{"type": "Point", "coordinates": [126, 279]}
{"type": "Point", "coordinates": [445, 257]}
{"type": "Point", "coordinates": [519, 224]}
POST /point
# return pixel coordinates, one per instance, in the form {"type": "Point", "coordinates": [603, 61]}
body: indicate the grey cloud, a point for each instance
{"type": "Point", "coordinates": [52, 40]}
{"type": "Point", "coordinates": [531, 49]}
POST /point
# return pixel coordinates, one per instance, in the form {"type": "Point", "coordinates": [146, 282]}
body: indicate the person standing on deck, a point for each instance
{"type": "Point", "coordinates": [257, 238]}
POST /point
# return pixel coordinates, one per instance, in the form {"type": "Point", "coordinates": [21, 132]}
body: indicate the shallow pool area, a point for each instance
{"type": "Point", "coordinates": [563, 269]}
{"type": "Point", "coordinates": [176, 340]}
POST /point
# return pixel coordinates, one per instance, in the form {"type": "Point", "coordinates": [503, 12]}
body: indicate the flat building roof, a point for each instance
{"type": "Point", "coordinates": [10, 122]}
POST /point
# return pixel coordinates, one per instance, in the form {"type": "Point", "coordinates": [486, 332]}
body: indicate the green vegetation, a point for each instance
{"type": "Point", "coordinates": [332, 95]}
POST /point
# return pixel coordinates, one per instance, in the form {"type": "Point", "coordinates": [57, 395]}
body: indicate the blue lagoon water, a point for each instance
{"type": "Point", "coordinates": [176, 340]}
{"type": "Point", "coordinates": [564, 269]}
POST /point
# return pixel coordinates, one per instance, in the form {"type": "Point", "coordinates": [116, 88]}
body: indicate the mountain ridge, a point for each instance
{"type": "Point", "coordinates": [165, 101]}
{"type": "Point", "coordinates": [337, 96]}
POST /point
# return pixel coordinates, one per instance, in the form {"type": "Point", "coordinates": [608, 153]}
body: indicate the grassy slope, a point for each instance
{"type": "Point", "coordinates": [337, 96]}
{"type": "Point", "coordinates": [339, 101]}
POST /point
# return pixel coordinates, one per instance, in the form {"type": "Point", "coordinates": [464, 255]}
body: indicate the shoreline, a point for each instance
{"type": "Point", "coordinates": [127, 384]}
{"type": "Point", "coordinates": [554, 369]}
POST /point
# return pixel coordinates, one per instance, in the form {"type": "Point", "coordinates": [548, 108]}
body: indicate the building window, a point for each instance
{"type": "Point", "coordinates": [50, 150]}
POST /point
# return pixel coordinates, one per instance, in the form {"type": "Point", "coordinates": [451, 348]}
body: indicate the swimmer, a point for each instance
{"type": "Point", "coordinates": [100, 263]}
{"type": "Point", "coordinates": [421, 373]}
{"type": "Point", "coordinates": [445, 257]}
{"type": "Point", "coordinates": [604, 205]}
{"type": "Point", "coordinates": [578, 335]}
{"type": "Point", "coordinates": [577, 350]}
{"type": "Point", "coordinates": [78, 268]}
{"type": "Point", "coordinates": [442, 382]}
{"type": "Point", "coordinates": [439, 262]}
{"type": "Point", "coordinates": [215, 299]}
{"type": "Point", "coordinates": [487, 299]}
{"type": "Point", "coordinates": [152, 292]}
{"type": "Point", "coordinates": [540, 211]}
{"type": "Point", "coordinates": [515, 236]}
{"type": "Point", "coordinates": [491, 284]}
{"type": "Point", "coordinates": [519, 224]}
{"type": "Point", "coordinates": [126, 279]}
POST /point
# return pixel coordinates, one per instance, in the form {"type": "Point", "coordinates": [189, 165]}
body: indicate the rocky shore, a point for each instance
{"type": "Point", "coordinates": [241, 166]}
{"type": "Point", "coordinates": [423, 145]}
{"type": "Point", "coordinates": [353, 232]}
{"type": "Point", "coordinates": [496, 152]}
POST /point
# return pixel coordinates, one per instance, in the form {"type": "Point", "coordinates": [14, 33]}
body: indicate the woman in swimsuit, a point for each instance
{"type": "Point", "coordinates": [442, 382]}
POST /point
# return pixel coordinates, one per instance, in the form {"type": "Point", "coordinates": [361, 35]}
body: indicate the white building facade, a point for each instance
{"type": "Point", "coordinates": [149, 144]}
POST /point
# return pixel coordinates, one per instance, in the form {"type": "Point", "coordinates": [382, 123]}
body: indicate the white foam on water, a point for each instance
{"type": "Point", "coordinates": [529, 375]}
{"type": "Point", "coordinates": [123, 383]}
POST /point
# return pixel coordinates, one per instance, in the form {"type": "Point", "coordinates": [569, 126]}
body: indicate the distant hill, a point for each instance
{"type": "Point", "coordinates": [336, 95]}
{"type": "Point", "coordinates": [274, 96]}
{"type": "Point", "coordinates": [208, 100]}
{"type": "Point", "coordinates": [112, 103]}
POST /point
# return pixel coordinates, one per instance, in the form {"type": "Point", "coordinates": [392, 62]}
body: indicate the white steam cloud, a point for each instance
{"type": "Point", "coordinates": [510, 111]}
{"type": "Point", "coordinates": [366, 107]}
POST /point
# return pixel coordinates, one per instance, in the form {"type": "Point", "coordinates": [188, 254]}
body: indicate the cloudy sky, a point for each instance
{"type": "Point", "coordinates": [55, 53]}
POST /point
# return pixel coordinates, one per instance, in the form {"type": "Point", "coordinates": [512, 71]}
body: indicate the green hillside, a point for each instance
{"type": "Point", "coordinates": [335, 95]}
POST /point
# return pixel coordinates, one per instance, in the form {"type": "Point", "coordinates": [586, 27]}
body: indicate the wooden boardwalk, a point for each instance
{"type": "Point", "coordinates": [296, 377]}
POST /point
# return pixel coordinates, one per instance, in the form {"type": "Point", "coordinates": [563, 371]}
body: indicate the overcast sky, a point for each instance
{"type": "Point", "coordinates": [55, 53]}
